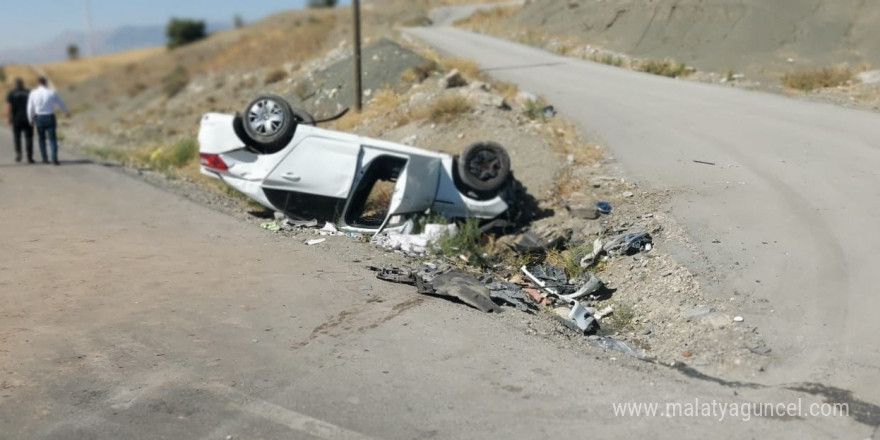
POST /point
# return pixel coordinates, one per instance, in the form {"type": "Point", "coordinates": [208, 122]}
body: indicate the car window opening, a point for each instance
{"type": "Point", "coordinates": [371, 200]}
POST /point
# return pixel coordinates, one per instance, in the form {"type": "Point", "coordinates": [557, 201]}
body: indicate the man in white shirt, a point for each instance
{"type": "Point", "coordinates": [41, 113]}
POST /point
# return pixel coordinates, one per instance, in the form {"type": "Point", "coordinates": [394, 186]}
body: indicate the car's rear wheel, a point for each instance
{"type": "Point", "coordinates": [270, 123]}
{"type": "Point", "coordinates": [484, 166]}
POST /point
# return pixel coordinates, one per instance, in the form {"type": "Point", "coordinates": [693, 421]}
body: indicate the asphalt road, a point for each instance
{"type": "Point", "coordinates": [128, 312]}
{"type": "Point", "coordinates": [784, 217]}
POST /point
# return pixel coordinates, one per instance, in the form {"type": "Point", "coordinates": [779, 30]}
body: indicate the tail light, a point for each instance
{"type": "Point", "coordinates": [213, 161]}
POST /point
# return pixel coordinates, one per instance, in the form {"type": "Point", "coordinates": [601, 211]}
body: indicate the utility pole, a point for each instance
{"type": "Point", "coordinates": [89, 42]}
{"type": "Point", "coordinates": [358, 87]}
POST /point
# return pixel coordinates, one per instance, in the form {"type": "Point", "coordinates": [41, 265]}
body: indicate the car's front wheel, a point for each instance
{"type": "Point", "coordinates": [270, 122]}
{"type": "Point", "coordinates": [484, 166]}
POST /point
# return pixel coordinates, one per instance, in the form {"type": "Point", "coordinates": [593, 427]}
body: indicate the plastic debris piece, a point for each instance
{"type": "Point", "coordinates": [629, 243]}
{"type": "Point", "coordinates": [604, 312]}
{"type": "Point", "coordinates": [328, 229]}
{"type": "Point", "coordinates": [316, 241]}
{"type": "Point", "coordinates": [415, 244]}
{"type": "Point", "coordinates": [609, 343]}
{"type": "Point", "coordinates": [293, 223]}
{"type": "Point", "coordinates": [603, 207]}
{"type": "Point", "coordinates": [590, 259]}
{"type": "Point", "coordinates": [590, 287]}
{"type": "Point", "coordinates": [271, 226]}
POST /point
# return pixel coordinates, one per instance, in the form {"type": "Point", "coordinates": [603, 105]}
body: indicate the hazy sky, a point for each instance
{"type": "Point", "coordinates": [37, 21]}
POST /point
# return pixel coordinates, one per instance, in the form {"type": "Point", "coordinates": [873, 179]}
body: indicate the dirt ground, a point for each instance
{"type": "Point", "coordinates": [751, 36]}
{"type": "Point", "coordinates": [128, 312]}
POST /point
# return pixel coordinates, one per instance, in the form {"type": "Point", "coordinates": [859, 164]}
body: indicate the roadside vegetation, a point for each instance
{"type": "Point", "coordinates": [498, 22]}
{"type": "Point", "coordinates": [668, 68]}
{"type": "Point", "coordinates": [810, 80]}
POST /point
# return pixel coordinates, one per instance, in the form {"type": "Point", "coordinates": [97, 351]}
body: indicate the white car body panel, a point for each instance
{"type": "Point", "coordinates": [331, 164]}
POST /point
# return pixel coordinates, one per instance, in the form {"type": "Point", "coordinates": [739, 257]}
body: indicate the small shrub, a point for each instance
{"type": "Point", "coordinates": [275, 76]}
{"type": "Point", "coordinates": [468, 242]}
{"type": "Point", "coordinates": [570, 258]}
{"type": "Point", "coordinates": [623, 316]}
{"type": "Point", "coordinates": [419, 72]}
{"type": "Point", "coordinates": [668, 68]}
{"type": "Point", "coordinates": [817, 79]}
{"type": "Point", "coordinates": [72, 52]}
{"type": "Point", "coordinates": [175, 82]}
{"type": "Point", "coordinates": [534, 109]}
{"type": "Point", "coordinates": [175, 156]}
{"type": "Point", "coordinates": [322, 3]}
{"type": "Point", "coordinates": [136, 89]}
{"type": "Point", "coordinates": [611, 60]}
{"type": "Point", "coordinates": [447, 108]}
{"type": "Point", "coordinates": [181, 31]}
{"type": "Point", "coordinates": [466, 67]}
{"type": "Point", "coordinates": [2, 74]}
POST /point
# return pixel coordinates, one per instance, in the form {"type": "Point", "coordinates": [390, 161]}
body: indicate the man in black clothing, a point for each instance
{"type": "Point", "coordinates": [16, 103]}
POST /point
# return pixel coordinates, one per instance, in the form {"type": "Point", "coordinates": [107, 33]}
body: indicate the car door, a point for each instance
{"type": "Point", "coordinates": [416, 187]}
{"type": "Point", "coordinates": [318, 165]}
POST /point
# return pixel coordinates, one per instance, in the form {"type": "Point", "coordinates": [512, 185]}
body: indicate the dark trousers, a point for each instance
{"type": "Point", "coordinates": [46, 125]}
{"type": "Point", "coordinates": [19, 130]}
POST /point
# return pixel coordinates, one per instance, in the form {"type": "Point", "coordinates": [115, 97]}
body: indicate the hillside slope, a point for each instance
{"type": "Point", "coordinates": [746, 35]}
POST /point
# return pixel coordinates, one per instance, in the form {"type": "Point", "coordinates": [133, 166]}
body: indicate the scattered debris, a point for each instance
{"type": "Point", "coordinates": [603, 207]}
{"type": "Point", "coordinates": [548, 111]}
{"type": "Point", "coordinates": [704, 162]}
{"type": "Point", "coordinates": [738, 319]}
{"type": "Point", "coordinates": [415, 244]}
{"type": "Point", "coordinates": [452, 283]}
{"type": "Point", "coordinates": [629, 243]}
{"type": "Point", "coordinates": [590, 259]}
{"type": "Point", "coordinates": [292, 223]}
{"type": "Point", "coordinates": [458, 284]}
{"type": "Point", "coordinates": [531, 242]}
{"type": "Point", "coordinates": [328, 229]}
{"type": "Point", "coordinates": [271, 226]}
{"type": "Point", "coordinates": [316, 241]}
{"type": "Point", "coordinates": [627, 194]}
{"type": "Point", "coordinates": [604, 312]}
{"type": "Point", "coordinates": [580, 316]}
{"type": "Point", "coordinates": [609, 343]}
{"type": "Point", "coordinates": [510, 294]}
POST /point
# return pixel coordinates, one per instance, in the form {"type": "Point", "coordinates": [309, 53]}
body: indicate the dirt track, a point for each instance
{"type": "Point", "coordinates": [128, 312]}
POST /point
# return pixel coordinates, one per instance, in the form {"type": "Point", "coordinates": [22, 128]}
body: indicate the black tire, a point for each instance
{"type": "Point", "coordinates": [269, 123]}
{"type": "Point", "coordinates": [484, 166]}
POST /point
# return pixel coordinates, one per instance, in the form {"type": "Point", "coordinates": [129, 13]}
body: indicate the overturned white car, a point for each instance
{"type": "Point", "coordinates": [276, 155]}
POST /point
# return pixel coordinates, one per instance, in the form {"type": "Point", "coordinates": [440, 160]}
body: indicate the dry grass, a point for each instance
{"type": "Point", "coordinates": [569, 258]}
{"type": "Point", "coordinates": [445, 109]}
{"type": "Point", "coordinates": [489, 17]}
{"type": "Point", "coordinates": [817, 79]}
{"type": "Point", "coordinates": [275, 76]}
{"type": "Point", "coordinates": [159, 157]}
{"type": "Point", "coordinates": [385, 106]}
{"type": "Point", "coordinates": [69, 72]}
{"type": "Point", "coordinates": [420, 72]}
{"type": "Point", "coordinates": [175, 82]}
{"type": "Point", "coordinates": [469, 69]}
{"type": "Point", "coordinates": [668, 68]}
{"type": "Point", "coordinates": [564, 139]}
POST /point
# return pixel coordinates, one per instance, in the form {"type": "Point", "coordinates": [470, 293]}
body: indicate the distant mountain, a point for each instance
{"type": "Point", "coordinates": [106, 41]}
